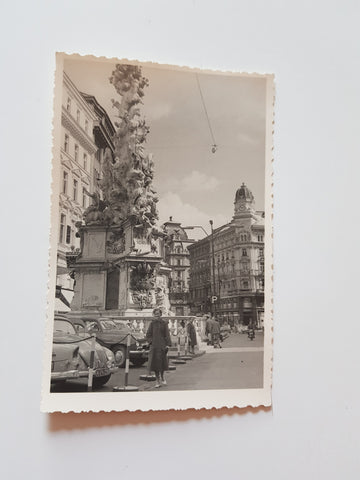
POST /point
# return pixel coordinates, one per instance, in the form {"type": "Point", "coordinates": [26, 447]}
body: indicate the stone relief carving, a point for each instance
{"type": "Point", "coordinates": [115, 242]}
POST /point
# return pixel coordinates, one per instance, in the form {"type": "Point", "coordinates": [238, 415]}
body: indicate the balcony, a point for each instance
{"type": "Point", "coordinates": [182, 296]}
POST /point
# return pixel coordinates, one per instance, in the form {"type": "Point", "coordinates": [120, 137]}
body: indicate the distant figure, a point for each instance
{"type": "Point", "coordinates": [215, 333]}
{"type": "Point", "coordinates": [208, 329]}
{"type": "Point", "coordinates": [191, 334]}
{"type": "Point", "coordinates": [251, 329]}
{"type": "Point", "coordinates": [159, 339]}
{"type": "Point", "coordinates": [182, 333]}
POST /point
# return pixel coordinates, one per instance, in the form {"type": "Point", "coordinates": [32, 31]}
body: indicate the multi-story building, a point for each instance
{"type": "Point", "coordinates": [233, 266]}
{"type": "Point", "coordinates": [103, 132]}
{"type": "Point", "coordinates": [177, 258]}
{"type": "Point", "coordinates": [86, 131]}
{"type": "Point", "coordinates": [200, 276]}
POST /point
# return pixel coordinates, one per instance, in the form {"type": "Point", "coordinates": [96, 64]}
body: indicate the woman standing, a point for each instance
{"type": "Point", "coordinates": [159, 339]}
{"type": "Point", "coordinates": [191, 335]}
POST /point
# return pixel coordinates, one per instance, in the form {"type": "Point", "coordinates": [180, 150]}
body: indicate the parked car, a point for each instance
{"type": "Point", "coordinates": [108, 335]}
{"type": "Point", "coordinates": [65, 360]}
{"type": "Point", "coordinates": [124, 327]}
{"type": "Point", "coordinates": [242, 328]}
{"type": "Point", "coordinates": [104, 364]}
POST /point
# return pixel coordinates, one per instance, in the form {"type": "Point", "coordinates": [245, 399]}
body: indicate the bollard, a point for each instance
{"type": "Point", "coordinates": [91, 365]}
{"type": "Point", "coordinates": [178, 346]}
{"type": "Point", "coordinates": [126, 387]}
{"type": "Point", "coordinates": [127, 361]}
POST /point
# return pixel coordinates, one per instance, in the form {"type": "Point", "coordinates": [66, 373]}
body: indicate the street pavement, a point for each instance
{"type": "Point", "coordinates": [238, 364]}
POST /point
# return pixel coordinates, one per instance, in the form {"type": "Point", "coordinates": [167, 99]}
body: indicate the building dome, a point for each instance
{"type": "Point", "coordinates": [243, 193]}
{"type": "Point", "coordinates": [175, 229]}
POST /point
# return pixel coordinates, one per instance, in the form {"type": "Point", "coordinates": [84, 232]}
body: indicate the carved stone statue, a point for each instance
{"type": "Point", "coordinates": [127, 180]}
{"type": "Point", "coordinates": [94, 214]}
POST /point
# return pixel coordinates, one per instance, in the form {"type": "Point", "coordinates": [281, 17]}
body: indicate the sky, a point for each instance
{"type": "Point", "coordinates": [194, 185]}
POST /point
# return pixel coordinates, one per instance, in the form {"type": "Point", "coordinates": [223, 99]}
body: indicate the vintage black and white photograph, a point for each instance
{"type": "Point", "coordinates": [160, 277]}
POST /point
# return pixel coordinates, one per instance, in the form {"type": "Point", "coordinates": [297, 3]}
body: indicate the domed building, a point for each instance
{"type": "Point", "coordinates": [235, 271]}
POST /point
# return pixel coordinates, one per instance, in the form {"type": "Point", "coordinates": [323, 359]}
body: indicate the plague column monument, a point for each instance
{"type": "Point", "coordinates": [119, 266]}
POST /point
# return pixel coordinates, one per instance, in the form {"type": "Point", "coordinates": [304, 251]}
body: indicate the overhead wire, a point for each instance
{"type": "Point", "coordinates": [214, 146]}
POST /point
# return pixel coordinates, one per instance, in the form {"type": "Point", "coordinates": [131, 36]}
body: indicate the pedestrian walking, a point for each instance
{"type": "Point", "coordinates": [215, 333]}
{"type": "Point", "coordinates": [159, 338]}
{"type": "Point", "coordinates": [191, 335]}
{"type": "Point", "coordinates": [251, 329]}
{"type": "Point", "coordinates": [208, 329]}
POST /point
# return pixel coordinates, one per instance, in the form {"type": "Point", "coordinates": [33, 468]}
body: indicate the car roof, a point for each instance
{"type": "Point", "coordinates": [77, 321]}
{"type": "Point", "coordinates": [62, 317]}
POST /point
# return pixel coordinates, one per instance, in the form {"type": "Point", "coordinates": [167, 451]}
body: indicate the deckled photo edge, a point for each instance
{"type": "Point", "coordinates": [147, 401]}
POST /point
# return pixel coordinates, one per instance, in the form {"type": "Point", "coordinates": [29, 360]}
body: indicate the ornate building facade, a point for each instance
{"type": "Point", "coordinates": [200, 276]}
{"type": "Point", "coordinates": [86, 132]}
{"type": "Point", "coordinates": [233, 274]}
{"type": "Point", "coordinates": [177, 257]}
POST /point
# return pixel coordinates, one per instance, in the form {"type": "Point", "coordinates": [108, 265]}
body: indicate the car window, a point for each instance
{"type": "Point", "coordinates": [123, 327]}
{"type": "Point", "coordinates": [64, 326]}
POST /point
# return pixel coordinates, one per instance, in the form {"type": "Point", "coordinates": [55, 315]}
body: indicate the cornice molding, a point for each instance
{"type": "Point", "coordinates": [78, 97]}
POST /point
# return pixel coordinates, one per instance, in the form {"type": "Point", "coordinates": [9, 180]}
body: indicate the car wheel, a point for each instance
{"type": "Point", "coordinates": [138, 361]}
{"type": "Point", "coordinates": [100, 381]}
{"type": "Point", "coordinates": [120, 355]}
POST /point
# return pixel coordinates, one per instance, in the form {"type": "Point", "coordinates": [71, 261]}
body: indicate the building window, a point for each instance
{"type": "Point", "coordinates": [246, 285]}
{"type": "Point", "coordinates": [83, 197]}
{"type": "Point", "coordinates": [65, 182]}
{"type": "Point", "coordinates": [85, 161]}
{"type": "Point", "coordinates": [261, 266]}
{"type": "Point", "coordinates": [78, 115]}
{"type": "Point", "coordinates": [244, 252]}
{"type": "Point", "coordinates": [62, 228]}
{"type": "Point", "coordinates": [260, 238]}
{"type": "Point", "coordinates": [76, 152]}
{"type": "Point", "coordinates": [68, 234]}
{"type": "Point", "coordinates": [86, 126]}
{"type": "Point", "coordinates": [75, 188]}
{"type": "Point", "coordinates": [179, 263]}
{"type": "Point", "coordinates": [244, 266]}
{"type": "Point", "coordinates": [68, 104]}
{"type": "Point", "coordinates": [66, 143]}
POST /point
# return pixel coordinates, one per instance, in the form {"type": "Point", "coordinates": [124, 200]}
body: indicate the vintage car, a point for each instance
{"type": "Point", "coordinates": [108, 335]}
{"type": "Point", "coordinates": [65, 361]}
{"type": "Point", "coordinates": [125, 326]}
{"type": "Point", "coordinates": [104, 366]}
